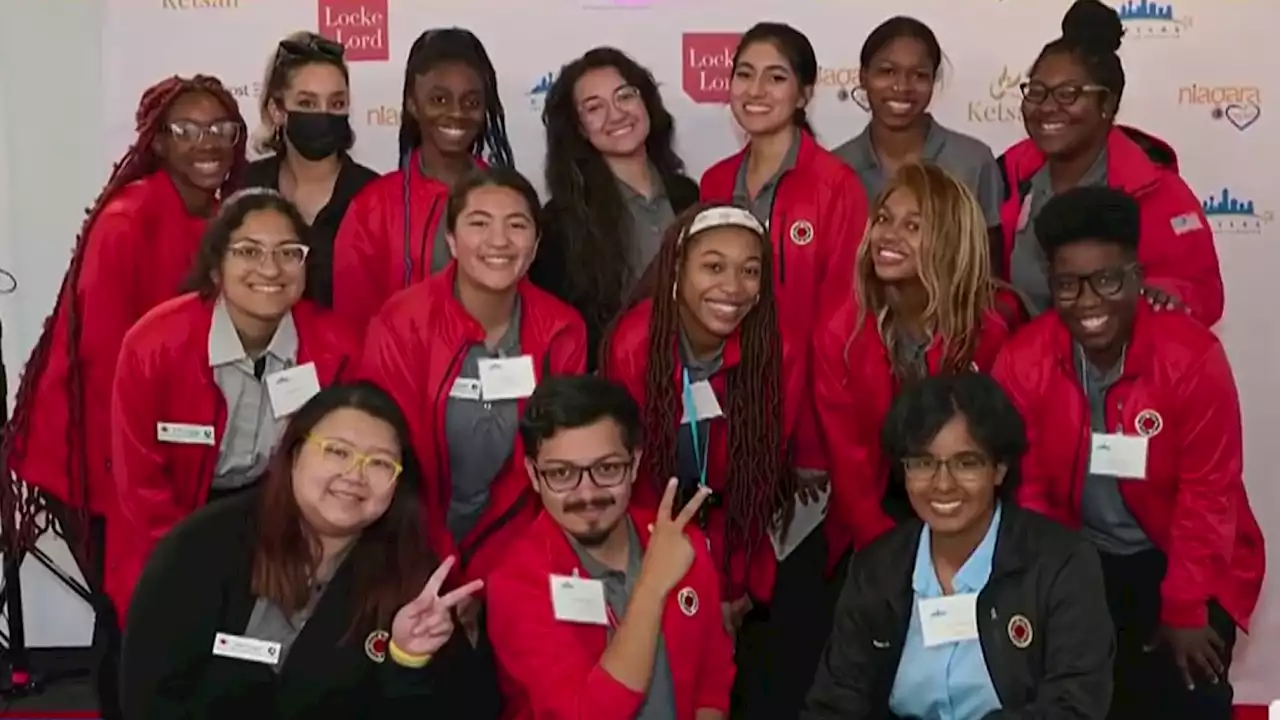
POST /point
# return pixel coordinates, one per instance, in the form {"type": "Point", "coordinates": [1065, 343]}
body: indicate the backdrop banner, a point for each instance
{"type": "Point", "coordinates": [1195, 78]}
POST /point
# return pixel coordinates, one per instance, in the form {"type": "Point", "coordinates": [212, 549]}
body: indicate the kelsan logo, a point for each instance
{"type": "Point", "coordinates": [1154, 20]}
{"type": "Point", "coordinates": [360, 25]}
{"type": "Point", "coordinates": [1240, 106]}
{"type": "Point", "coordinates": [708, 66]}
{"type": "Point", "coordinates": [1233, 214]}
{"type": "Point", "coordinates": [199, 4]}
{"type": "Point", "coordinates": [1003, 103]}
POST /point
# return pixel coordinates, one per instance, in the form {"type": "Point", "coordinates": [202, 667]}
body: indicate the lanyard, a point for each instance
{"type": "Point", "coordinates": [698, 458]}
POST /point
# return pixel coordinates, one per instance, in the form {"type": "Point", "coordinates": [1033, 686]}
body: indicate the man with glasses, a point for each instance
{"type": "Point", "coordinates": [1134, 423]}
{"type": "Point", "coordinates": [601, 611]}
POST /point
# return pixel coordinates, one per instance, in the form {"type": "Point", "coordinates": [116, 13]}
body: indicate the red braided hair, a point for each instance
{"type": "Point", "coordinates": [23, 508]}
{"type": "Point", "coordinates": [759, 482]}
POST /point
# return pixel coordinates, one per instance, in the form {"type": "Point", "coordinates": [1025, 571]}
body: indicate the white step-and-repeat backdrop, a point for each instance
{"type": "Point", "coordinates": [1198, 76]}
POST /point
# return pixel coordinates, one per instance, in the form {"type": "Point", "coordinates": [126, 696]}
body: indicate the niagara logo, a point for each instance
{"type": "Point", "coordinates": [1147, 19]}
{"type": "Point", "coordinates": [1235, 215]}
{"type": "Point", "coordinates": [538, 93]}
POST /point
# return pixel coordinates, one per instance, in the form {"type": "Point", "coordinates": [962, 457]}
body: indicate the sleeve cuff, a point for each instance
{"type": "Point", "coordinates": [605, 691]}
{"type": "Point", "coordinates": [1184, 613]}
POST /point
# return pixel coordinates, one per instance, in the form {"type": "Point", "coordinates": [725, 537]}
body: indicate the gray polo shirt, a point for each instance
{"type": "Point", "coordinates": [269, 623]}
{"type": "Point", "coordinates": [1028, 264]}
{"type": "Point", "coordinates": [251, 432]}
{"type": "Point", "coordinates": [762, 204]}
{"type": "Point", "coordinates": [659, 701]}
{"type": "Point", "coordinates": [650, 217]}
{"type": "Point", "coordinates": [440, 255]}
{"type": "Point", "coordinates": [481, 434]}
{"type": "Point", "coordinates": [1105, 519]}
{"type": "Point", "coordinates": [967, 158]}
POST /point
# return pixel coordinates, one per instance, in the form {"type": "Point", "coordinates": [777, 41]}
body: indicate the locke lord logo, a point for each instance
{"type": "Point", "coordinates": [360, 25]}
{"type": "Point", "coordinates": [708, 66]}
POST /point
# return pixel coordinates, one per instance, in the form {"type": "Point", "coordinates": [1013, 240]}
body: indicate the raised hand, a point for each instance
{"type": "Point", "coordinates": [423, 625]}
{"type": "Point", "coordinates": [670, 553]}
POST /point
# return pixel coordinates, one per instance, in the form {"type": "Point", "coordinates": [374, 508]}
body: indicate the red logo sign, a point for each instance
{"type": "Point", "coordinates": [708, 66]}
{"type": "Point", "coordinates": [360, 25]}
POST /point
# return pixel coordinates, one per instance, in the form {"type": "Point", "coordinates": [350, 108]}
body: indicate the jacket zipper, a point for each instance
{"type": "Point", "coordinates": [782, 224]}
{"type": "Point", "coordinates": [441, 399]}
{"type": "Point", "coordinates": [428, 231]}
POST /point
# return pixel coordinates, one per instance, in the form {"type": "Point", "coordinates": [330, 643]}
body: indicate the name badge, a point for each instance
{"type": "Point", "coordinates": [949, 619]}
{"type": "Point", "coordinates": [579, 600]}
{"type": "Point", "coordinates": [248, 649]}
{"type": "Point", "coordinates": [465, 389]}
{"type": "Point", "coordinates": [705, 404]}
{"type": "Point", "coordinates": [1121, 456]}
{"type": "Point", "coordinates": [184, 434]}
{"type": "Point", "coordinates": [1024, 214]}
{"type": "Point", "coordinates": [507, 378]}
{"type": "Point", "coordinates": [290, 389]}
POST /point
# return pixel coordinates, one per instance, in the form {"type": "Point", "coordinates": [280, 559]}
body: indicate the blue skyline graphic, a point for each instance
{"type": "Point", "coordinates": [1226, 204]}
{"type": "Point", "coordinates": [1145, 10]}
{"type": "Point", "coordinates": [543, 85]}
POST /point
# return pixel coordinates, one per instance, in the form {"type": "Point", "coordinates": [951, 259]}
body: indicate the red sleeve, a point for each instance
{"type": "Point", "coordinates": [717, 670]}
{"type": "Point", "coordinates": [845, 223]}
{"type": "Point", "coordinates": [1210, 483]}
{"type": "Point", "coordinates": [533, 653]}
{"type": "Point", "coordinates": [569, 353]}
{"type": "Point", "coordinates": [108, 304]}
{"type": "Point", "coordinates": [360, 262]}
{"type": "Point", "coordinates": [1033, 490]}
{"type": "Point", "coordinates": [390, 363]}
{"type": "Point", "coordinates": [1178, 254]}
{"type": "Point", "coordinates": [852, 444]}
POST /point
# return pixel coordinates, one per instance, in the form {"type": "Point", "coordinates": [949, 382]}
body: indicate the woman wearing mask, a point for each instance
{"type": "Point", "coordinates": [615, 183]}
{"type": "Point", "coordinates": [394, 234]}
{"type": "Point", "coordinates": [1069, 107]}
{"type": "Point", "coordinates": [133, 252]}
{"type": "Point", "coordinates": [207, 379]}
{"type": "Point", "coordinates": [461, 353]}
{"type": "Point", "coordinates": [312, 591]}
{"type": "Point", "coordinates": [901, 63]}
{"type": "Point", "coordinates": [306, 130]}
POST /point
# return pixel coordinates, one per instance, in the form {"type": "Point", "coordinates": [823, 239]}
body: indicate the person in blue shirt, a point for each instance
{"type": "Point", "coordinates": [979, 610]}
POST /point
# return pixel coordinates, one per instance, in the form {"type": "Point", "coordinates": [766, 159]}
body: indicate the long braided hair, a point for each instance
{"type": "Point", "coordinates": [758, 482]}
{"type": "Point", "coordinates": [138, 162]}
{"type": "Point", "coordinates": [435, 47]}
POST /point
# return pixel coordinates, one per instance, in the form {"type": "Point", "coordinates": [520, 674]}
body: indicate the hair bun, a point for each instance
{"type": "Point", "coordinates": [1093, 25]}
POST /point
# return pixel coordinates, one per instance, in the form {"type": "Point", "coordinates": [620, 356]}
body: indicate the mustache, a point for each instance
{"type": "Point", "coordinates": [598, 503]}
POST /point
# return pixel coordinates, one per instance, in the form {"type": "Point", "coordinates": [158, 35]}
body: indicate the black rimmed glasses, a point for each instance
{"type": "Point", "coordinates": [190, 132]}
{"type": "Point", "coordinates": [595, 111]}
{"type": "Point", "coordinates": [962, 466]}
{"type": "Point", "coordinates": [563, 477]}
{"type": "Point", "coordinates": [339, 457]}
{"type": "Point", "coordinates": [287, 256]}
{"type": "Point", "coordinates": [1106, 283]}
{"type": "Point", "coordinates": [1065, 95]}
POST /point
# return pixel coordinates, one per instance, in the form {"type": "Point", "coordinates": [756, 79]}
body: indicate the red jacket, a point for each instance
{"type": "Point", "coordinates": [1193, 506]}
{"type": "Point", "coordinates": [818, 220]}
{"type": "Point", "coordinates": [146, 220]}
{"type": "Point", "coordinates": [414, 350]}
{"type": "Point", "coordinates": [164, 377]}
{"type": "Point", "coordinates": [855, 386]}
{"type": "Point", "coordinates": [627, 362]}
{"type": "Point", "coordinates": [550, 670]}
{"type": "Point", "coordinates": [373, 256]}
{"type": "Point", "coordinates": [1176, 249]}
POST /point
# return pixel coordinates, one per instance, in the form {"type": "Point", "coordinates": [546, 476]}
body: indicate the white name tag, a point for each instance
{"type": "Point", "coordinates": [184, 434]}
{"type": "Point", "coordinates": [465, 389]}
{"type": "Point", "coordinates": [1121, 456]}
{"type": "Point", "coordinates": [507, 378]}
{"type": "Point", "coordinates": [705, 404]}
{"type": "Point", "coordinates": [949, 619]}
{"type": "Point", "coordinates": [290, 389]}
{"type": "Point", "coordinates": [579, 600]}
{"type": "Point", "coordinates": [1024, 214]}
{"type": "Point", "coordinates": [249, 649]}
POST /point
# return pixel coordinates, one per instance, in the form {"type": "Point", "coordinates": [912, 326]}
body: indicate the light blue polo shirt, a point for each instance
{"type": "Point", "coordinates": [945, 682]}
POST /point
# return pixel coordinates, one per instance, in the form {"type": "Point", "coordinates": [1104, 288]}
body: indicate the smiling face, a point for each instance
{"type": "Point", "coordinates": [1096, 287]}
{"type": "Point", "coordinates": [198, 142]}
{"type": "Point", "coordinates": [563, 473]}
{"type": "Point", "coordinates": [764, 93]}
{"type": "Point", "coordinates": [720, 279]}
{"type": "Point", "coordinates": [1063, 110]}
{"type": "Point", "coordinates": [263, 273]}
{"type": "Point", "coordinates": [952, 484]}
{"type": "Point", "coordinates": [611, 113]}
{"type": "Point", "coordinates": [896, 239]}
{"type": "Point", "coordinates": [344, 474]}
{"type": "Point", "coordinates": [495, 238]}
{"type": "Point", "coordinates": [448, 101]}
{"type": "Point", "coordinates": [899, 83]}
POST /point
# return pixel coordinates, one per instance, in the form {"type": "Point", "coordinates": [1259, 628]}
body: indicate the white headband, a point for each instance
{"type": "Point", "coordinates": [723, 216]}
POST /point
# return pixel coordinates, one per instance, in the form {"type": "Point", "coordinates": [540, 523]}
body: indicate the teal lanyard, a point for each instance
{"type": "Point", "coordinates": [698, 458]}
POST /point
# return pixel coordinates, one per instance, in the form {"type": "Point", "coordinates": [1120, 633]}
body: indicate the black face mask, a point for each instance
{"type": "Point", "coordinates": [315, 135]}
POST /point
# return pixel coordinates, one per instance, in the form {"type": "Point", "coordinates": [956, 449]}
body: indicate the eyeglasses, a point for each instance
{"type": "Point", "coordinates": [964, 466]}
{"type": "Point", "coordinates": [189, 132]}
{"type": "Point", "coordinates": [565, 477]}
{"type": "Point", "coordinates": [1106, 283]}
{"type": "Point", "coordinates": [310, 47]}
{"type": "Point", "coordinates": [288, 256]}
{"type": "Point", "coordinates": [338, 457]}
{"type": "Point", "coordinates": [595, 112]}
{"type": "Point", "coordinates": [1064, 95]}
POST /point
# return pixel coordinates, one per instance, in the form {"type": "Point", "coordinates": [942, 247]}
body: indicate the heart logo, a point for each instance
{"type": "Point", "coordinates": [1242, 116]}
{"type": "Point", "coordinates": [858, 96]}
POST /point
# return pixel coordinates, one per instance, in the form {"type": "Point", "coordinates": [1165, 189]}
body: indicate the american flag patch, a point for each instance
{"type": "Point", "coordinates": [1184, 224]}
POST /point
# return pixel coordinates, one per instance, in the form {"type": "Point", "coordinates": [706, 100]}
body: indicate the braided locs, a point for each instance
{"type": "Point", "coordinates": [21, 510]}
{"type": "Point", "coordinates": [758, 481]}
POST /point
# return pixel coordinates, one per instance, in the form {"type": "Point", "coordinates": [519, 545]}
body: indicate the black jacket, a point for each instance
{"type": "Point", "coordinates": [196, 584]}
{"type": "Point", "coordinates": [1041, 571]}
{"type": "Point", "coordinates": [352, 178]}
{"type": "Point", "coordinates": [548, 269]}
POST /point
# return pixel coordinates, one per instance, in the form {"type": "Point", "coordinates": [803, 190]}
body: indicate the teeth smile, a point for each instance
{"type": "Point", "coordinates": [267, 289]}
{"type": "Point", "coordinates": [1093, 324]}
{"type": "Point", "coordinates": [898, 106]}
{"type": "Point", "coordinates": [945, 508]}
{"type": "Point", "coordinates": [497, 261]}
{"type": "Point", "coordinates": [1052, 127]}
{"type": "Point", "coordinates": [723, 308]}
{"type": "Point", "coordinates": [891, 255]}
{"type": "Point", "coordinates": [756, 109]}
{"type": "Point", "coordinates": [453, 133]}
{"type": "Point", "coordinates": [208, 166]}
{"type": "Point", "coordinates": [622, 131]}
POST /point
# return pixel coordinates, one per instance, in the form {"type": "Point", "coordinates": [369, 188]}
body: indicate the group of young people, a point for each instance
{"type": "Point", "coordinates": [895, 428]}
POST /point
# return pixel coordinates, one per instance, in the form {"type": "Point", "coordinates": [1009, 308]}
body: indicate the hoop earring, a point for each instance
{"type": "Point", "coordinates": [675, 294]}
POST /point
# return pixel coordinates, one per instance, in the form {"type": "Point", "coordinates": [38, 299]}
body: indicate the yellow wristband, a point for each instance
{"type": "Point", "coordinates": [402, 658]}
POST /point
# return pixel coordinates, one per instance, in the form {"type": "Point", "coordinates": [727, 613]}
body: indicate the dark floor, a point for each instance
{"type": "Point", "coordinates": [60, 687]}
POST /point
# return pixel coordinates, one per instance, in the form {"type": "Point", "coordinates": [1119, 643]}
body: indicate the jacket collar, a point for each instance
{"type": "Point", "coordinates": [1139, 351]}
{"type": "Point", "coordinates": [442, 286]}
{"type": "Point", "coordinates": [808, 146]}
{"type": "Point", "coordinates": [1129, 164]}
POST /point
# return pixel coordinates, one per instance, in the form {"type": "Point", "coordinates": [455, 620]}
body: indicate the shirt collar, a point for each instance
{"type": "Point", "coordinates": [864, 152]}
{"type": "Point", "coordinates": [597, 569]}
{"type": "Point", "coordinates": [971, 577]}
{"type": "Point", "coordinates": [659, 190]}
{"type": "Point", "coordinates": [225, 347]}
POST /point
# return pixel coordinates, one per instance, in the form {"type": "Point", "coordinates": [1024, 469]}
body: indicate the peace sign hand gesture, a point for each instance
{"type": "Point", "coordinates": [425, 623]}
{"type": "Point", "coordinates": [670, 553]}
